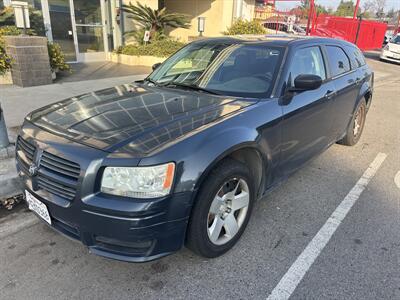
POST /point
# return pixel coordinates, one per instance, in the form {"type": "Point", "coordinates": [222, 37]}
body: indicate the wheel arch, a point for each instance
{"type": "Point", "coordinates": [247, 153]}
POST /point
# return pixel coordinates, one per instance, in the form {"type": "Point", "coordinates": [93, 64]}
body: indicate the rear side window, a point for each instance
{"type": "Point", "coordinates": [338, 60]}
{"type": "Point", "coordinates": [307, 61]}
{"type": "Point", "coordinates": [356, 57]}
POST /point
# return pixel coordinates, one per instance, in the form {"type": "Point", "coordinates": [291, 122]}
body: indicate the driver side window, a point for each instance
{"type": "Point", "coordinates": [307, 61]}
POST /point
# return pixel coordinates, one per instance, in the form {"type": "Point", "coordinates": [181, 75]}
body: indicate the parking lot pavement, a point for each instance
{"type": "Point", "coordinates": [360, 260]}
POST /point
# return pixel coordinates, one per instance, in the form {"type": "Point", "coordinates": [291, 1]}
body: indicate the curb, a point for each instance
{"type": "Point", "coordinates": [10, 184]}
{"type": "Point", "coordinates": [8, 152]}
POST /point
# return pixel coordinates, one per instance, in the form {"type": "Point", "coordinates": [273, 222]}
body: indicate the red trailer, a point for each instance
{"type": "Point", "coordinates": [367, 35]}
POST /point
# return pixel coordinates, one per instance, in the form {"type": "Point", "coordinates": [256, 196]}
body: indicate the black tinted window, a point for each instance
{"type": "Point", "coordinates": [356, 57]}
{"type": "Point", "coordinates": [338, 59]}
{"type": "Point", "coordinates": [307, 61]}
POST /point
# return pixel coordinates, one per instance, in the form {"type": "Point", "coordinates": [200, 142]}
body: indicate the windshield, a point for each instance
{"type": "Point", "coordinates": [228, 69]}
{"type": "Point", "coordinates": [396, 40]}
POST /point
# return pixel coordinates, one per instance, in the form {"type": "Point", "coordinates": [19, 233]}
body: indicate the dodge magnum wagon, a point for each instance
{"type": "Point", "coordinates": [137, 171]}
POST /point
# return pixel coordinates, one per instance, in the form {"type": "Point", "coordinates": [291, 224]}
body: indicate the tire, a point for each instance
{"type": "Point", "coordinates": [202, 237]}
{"type": "Point", "coordinates": [353, 134]}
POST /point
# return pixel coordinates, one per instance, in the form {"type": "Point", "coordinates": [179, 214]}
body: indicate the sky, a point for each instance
{"type": "Point", "coordinates": [334, 3]}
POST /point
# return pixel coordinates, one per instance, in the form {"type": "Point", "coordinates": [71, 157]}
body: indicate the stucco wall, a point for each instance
{"type": "Point", "coordinates": [218, 14]}
{"type": "Point", "coordinates": [248, 9]}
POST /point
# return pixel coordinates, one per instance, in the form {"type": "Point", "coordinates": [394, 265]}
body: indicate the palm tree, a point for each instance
{"type": "Point", "coordinates": [155, 20]}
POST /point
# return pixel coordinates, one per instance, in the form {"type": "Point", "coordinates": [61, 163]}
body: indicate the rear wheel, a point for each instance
{"type": "Point", "coordinates": [356, 126]}
{"type": "Point", "coordinates": [222, 209]}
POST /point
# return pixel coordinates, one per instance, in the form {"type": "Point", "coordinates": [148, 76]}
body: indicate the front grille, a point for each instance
{"type": "Point", "coordinates": [56, 175]}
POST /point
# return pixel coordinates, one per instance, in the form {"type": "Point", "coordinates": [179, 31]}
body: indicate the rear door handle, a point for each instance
{"type": "Point", "coordinates": [329, 94]}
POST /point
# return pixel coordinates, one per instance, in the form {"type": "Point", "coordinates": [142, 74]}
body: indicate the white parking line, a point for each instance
{"type": "Point", "coordinates": [397, 179]}
{"type": "Point", "coordinates": [304, 261]}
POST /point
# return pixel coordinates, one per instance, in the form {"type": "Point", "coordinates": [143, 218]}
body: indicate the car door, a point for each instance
{"type": "Point", "coordinates": [347, 85]}
{"type": "Point", "coordinates": [307, 120]}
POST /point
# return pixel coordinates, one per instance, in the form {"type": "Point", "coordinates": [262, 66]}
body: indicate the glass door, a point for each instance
{"type": "Point", "coordinates": [61, 26]}
{"type": "Point", "coordinates": [88, 20]}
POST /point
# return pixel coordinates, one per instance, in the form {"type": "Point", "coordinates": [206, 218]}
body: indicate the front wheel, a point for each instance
{"type": "Point", "coordinates": [356, 126]}
{"type": "Point", "coordinates": [222, 209]}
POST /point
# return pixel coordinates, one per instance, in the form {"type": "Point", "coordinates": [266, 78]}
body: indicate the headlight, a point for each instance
{"type": "Point", "coordinates": [138, 182]}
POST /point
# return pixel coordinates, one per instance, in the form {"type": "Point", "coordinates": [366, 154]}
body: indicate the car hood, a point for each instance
{"type": "Point", "coordinates": [134, 117]}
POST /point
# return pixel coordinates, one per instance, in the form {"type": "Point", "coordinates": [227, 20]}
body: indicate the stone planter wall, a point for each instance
{"type": "Point", "coordinates": [135, 60]}
{"type": "Point", "coordinates": [30, 66]}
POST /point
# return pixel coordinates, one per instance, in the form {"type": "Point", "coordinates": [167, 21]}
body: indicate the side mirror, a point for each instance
{"type": "Point", "coordinates": [306, 82]}
{"type": "Point", "coordinates": [155, 66]}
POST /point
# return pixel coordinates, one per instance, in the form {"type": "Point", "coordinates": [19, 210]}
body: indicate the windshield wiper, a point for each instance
{"type": "Point", "coordinates": [190, 87]}
{"type": "Point", "coordinates": [152, 81]}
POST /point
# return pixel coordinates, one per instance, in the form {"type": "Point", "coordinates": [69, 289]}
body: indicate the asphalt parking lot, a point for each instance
{"type": "Point", "coordinates": [282, 246]}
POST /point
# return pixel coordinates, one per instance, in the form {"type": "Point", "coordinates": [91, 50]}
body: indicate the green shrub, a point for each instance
{"type": "Point", "coordinates": [7, 30]}
{"type": "Point", "coordinates": [245, 27]}
{"type": "Point", "coordinates": [5, 60]}
{"type": "Point", "coordinates": [159, 48]}
{"type": "Point", "coordinates": [138, 35]}
{"type": "Point", "coordinates": [57, 58]}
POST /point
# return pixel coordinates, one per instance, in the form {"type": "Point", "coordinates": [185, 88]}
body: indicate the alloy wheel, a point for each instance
{"type": "Point", "coordinates": [358, 121]}
{"type": "Point", "coordinates": [228, 211]}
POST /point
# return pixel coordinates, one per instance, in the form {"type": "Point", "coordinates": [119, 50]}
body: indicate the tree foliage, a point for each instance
{"type": "Point", "coordinates": [345, 8]}
{"type": "Point", "coordinates": [35, 17]}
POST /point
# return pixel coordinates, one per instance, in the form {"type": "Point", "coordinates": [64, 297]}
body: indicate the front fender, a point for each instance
{"type": "Point", "coordinates": [195, 155]}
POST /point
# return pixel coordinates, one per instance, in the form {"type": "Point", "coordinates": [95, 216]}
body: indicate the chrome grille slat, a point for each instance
{"type": "Point", "coordinates": [26, 148]}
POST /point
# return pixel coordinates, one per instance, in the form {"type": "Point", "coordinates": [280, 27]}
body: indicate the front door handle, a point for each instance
{"type": "Point", "coordinates": [329, 94]}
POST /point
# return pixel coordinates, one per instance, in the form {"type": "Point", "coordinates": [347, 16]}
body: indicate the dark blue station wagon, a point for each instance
{"type": "Point", "coordinates": [137, 171]}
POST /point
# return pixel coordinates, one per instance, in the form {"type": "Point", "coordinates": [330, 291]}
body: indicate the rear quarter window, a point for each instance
{"type": "Point", "coordinates": [338, 60]}
{"type": "Point", "coordinates": [357, 59]}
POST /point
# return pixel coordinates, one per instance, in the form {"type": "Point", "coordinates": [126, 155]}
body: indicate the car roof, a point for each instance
{"type": "Point", "coordinates": [283, 40]}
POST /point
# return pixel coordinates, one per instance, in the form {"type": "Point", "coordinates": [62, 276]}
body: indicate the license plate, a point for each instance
{"type": "Point", "coordinates": [38, 207]}
{"type": "Point", "coordinates": [396, 56]}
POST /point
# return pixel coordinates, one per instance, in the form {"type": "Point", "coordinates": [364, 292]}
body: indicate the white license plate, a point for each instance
{"type": "Point", "coordinates": [38, 207]}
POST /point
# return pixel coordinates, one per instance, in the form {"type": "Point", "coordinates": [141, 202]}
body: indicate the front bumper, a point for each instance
{"type": "Point", "coordinates": [390, 56]}
{"type": "Point", "coordinates": [132, 239]}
